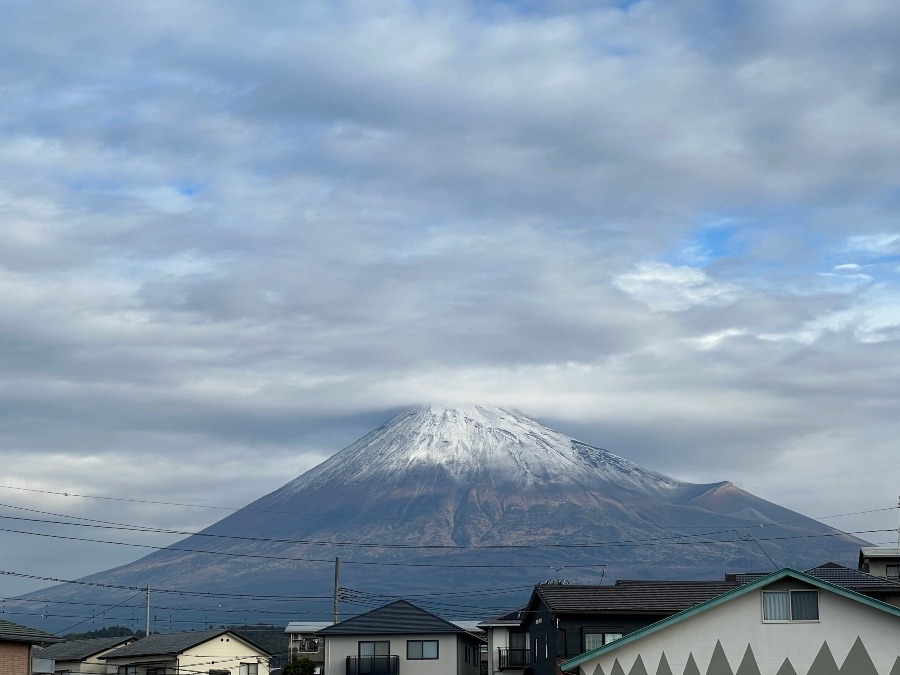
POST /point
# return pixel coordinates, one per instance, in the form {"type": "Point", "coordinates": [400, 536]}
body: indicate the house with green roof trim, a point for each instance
{"type": "Point", "coordinates": [786, 623]}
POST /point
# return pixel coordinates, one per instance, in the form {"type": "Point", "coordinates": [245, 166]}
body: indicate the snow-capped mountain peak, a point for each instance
{"type": "Point", "coordinates": [470, 443]}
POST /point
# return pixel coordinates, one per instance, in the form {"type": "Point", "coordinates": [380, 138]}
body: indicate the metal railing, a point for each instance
{"type": "Point", "coordinates": [511, 658]}
{"type": "Point", "coordinates": [373, 665]}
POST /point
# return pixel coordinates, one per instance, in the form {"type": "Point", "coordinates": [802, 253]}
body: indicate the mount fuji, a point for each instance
{"type": "Point", "coordinates": [473, 503]}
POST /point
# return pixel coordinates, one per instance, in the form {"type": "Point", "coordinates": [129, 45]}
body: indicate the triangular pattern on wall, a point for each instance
{"type": "Point", "coordinates": [718, 664]}
{"type": "Point", "coordinates": [617, 669]}
{"type": "Point", "coordinates": [748, 666]}
{"type": "Point", "coordinates": [896, 669]}
{"type": "Point", "coordinates": [663, 667]}
{"type": "Point", "coordinates": [786, 668]}
{"type": "Point", "coordinates": [858, 661]}
{"type": "Point", "coordinates": [598, 670]}
{"type": "Point", "coordinates": [690, 668]}
{"type": "Point", "coordinates": [824, 663]}
{"type": "Point", "coordinates": [637, 668]}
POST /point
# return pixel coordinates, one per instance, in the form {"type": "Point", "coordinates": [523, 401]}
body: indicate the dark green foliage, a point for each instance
{"type": "Point", "coordinates": [299, 667]}
{"type": "Point", "coordinates": [110, 631]}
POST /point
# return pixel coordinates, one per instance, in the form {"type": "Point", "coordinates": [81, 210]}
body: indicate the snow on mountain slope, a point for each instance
{"type": "Point", "coordinates": [471, 443]}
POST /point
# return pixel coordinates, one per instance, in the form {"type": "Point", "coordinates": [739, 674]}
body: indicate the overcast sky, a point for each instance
{"type": "Point", "coordinates": [236, 236]}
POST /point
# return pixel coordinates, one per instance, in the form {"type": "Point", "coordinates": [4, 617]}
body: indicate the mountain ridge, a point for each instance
{"type": "Point", "coordinates": [476, 497]}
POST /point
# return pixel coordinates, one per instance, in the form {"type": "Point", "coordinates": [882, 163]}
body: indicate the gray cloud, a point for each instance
{"type": "Point", "coordinates": [232, 232]}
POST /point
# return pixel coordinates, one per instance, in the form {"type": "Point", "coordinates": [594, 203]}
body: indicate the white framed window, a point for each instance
{"type": "Point", "coordinates": [421, 650]}
{"type": "Point", "coordinates": [785, 606]}
{"type": "Point", "coordinates": [249, 669]}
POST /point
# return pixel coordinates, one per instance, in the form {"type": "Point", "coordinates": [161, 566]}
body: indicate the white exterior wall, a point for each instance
{"type": "Point", "coordinates": [339, 647]}
{"type": "Point", "coordinates": [89, 665]}
{"type": "Point", "coordinates": [738, 623]}
{"type": "Point", "coordinates": [498, 636]}
{"type": "Point", "coordinates": [225, 652]}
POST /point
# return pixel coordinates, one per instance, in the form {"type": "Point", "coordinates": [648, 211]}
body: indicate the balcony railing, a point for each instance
{"type": "Point", "coordinates": [373, 665]}
{"type": "Point", "coordinates": [511, 658]}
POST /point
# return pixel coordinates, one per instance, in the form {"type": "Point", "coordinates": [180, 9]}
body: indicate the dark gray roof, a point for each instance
{"type": "Point", "coordinates": [14, 632]}
{"type": "Point", "coordinates": [78, 650]}
{"type": "Point", "coordinates": [644, 597]}
{"type": "Point", "coordinates": [833, 574]}
{"type": "Point", "coordinates": [399, 617]}
{"type": "Point", "coordinates": [174, 643]}
{"type": "Point", "coordinates": [511, 618]}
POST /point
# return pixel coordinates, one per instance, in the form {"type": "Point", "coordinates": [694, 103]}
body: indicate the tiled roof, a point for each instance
{"type": "Point", "coordinates": [174, 643]}
{"type": "Point", "coordinates": [77, 650]}
{"type": "Point", "coordinates": [15, 632]}
{"type": "Point", "coordinates": [399, 617]}
{"type": "Point", "coordinates": [850, 578]}
{"type": "Point", "coordinates": [648, 597]}
{"type": "Point", "coordinates": [833, 574]}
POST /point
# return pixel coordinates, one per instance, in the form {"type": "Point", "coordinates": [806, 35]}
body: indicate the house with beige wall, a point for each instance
{"type": "Point", "coordinates": [786, 623]}
{"type": "Point", "coordinates": [204, 652]}
{"type": "Point", "coordinates": [400, 639]}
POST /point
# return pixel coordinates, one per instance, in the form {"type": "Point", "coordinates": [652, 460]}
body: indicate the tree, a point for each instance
{"type": "Point", "coordinates": [299, 667]}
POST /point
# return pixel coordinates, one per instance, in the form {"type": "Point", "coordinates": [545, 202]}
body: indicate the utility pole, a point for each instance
{"type": "Point", "coordinates": [337, 587]}
{"type": "Point", "coordinates": [147, 631]}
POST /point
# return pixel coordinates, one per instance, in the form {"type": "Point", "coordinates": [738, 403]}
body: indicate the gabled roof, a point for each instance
{"type": "Point", "coordinates": [629, 596]}
{"type": "Point", "coordinates": [14, 632]}
{"type": "Point", "coordinates": [175, 643]}
{"type": "Point", "coordinates": [78, 650]}
{"type": "Point", "coordinates": [785, 573]}
{"type": "Point", "coordinates": [398, 618]}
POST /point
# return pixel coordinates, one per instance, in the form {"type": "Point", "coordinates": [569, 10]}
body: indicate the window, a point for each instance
{"type": "Point", "coordinates": [126, 670]}
{"type": "Point", "coordinates": [790, 605]}
{"type": "Point", "coordinates": [594, 639]}
{"type": "Point", "coordinates": [161, 670]}
{"type": "Point", "coordinates": [417, 650]}
{"type": "Point", "coordinates": [249, 669]}
{"type": "Point", "coordinates": [379, 648]}
{"type": "Point", "coordinates": [892, 571]}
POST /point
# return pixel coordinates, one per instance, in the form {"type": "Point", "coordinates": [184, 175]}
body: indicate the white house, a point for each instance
{"type": "Point", "coordinates": [400, 639]}
{"type": "Point", "coordinates": [507, 644]}
{"type": "Point", "coordinates": [206, 652]}
{"type": "Point", "coordinates": [786, 623]}
{"type": "Point", "coordinates": [81, 656]}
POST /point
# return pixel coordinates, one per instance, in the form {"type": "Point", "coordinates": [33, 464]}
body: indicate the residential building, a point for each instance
{"type": "Point", "coordinates": [400, 639]}
{"type": "Point", "coordinates": [880, 561]}
{"type": "Point", "coordinates": [563, 620]}
{"type": "Point", "coordinates": [16, 643]}
{"type": "Point", "coordinates": [303, 642]}
{"type": "Point", "coordinates": [212, 652]}
{"type": "Point", "coordinates": [81, 656]}
{"type": "Point", "coordinates": [786, 623]}
{"type": "Point", "coordinates": [507, 644]}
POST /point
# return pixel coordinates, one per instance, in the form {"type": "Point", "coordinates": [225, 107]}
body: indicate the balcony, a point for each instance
{"type": "Point", "coordinates": [373, 665]}
{"type": "Point", "coordinates": [512, 659]}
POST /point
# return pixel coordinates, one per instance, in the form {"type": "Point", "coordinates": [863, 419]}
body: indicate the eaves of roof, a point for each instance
{"type": "Point", "coordinates": [731, 595]}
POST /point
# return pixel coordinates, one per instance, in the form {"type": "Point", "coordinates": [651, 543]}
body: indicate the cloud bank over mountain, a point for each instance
{"type": "Point", "coordinates": [235, 237]}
